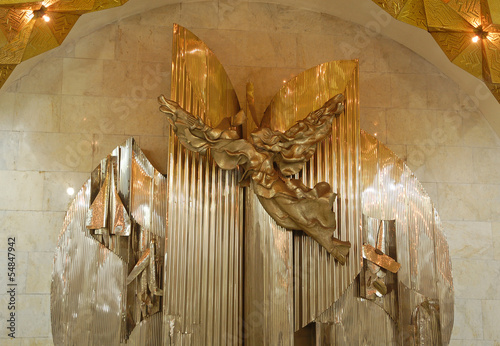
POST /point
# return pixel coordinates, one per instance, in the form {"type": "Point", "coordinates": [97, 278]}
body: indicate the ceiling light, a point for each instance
{"type": "Point", "coordinates": [70, 191]}
{"type": "Point", "coordinates": [46, 18]}
{"type": "Point", "coordinates": [475, 39]}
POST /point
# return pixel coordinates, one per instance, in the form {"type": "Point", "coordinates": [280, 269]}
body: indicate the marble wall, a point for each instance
{"type": "Point", "coordinates": [85, 98]}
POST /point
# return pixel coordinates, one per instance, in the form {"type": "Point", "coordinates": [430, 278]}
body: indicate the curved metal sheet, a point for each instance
{"type": "Point", "coordinates": [204, 268]}
{"type": "Point", "coordinates": [88, 283]}
{"type": "Point", "coordinates": [318, 279]}
{"type": "Point", "coordinates": [390, 191]}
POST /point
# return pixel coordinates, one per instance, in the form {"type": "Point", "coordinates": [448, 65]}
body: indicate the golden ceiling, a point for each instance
{"type": "Point", "coordinates": [29, 28]}
{"type": "Point", "coordinates": [468, 32]}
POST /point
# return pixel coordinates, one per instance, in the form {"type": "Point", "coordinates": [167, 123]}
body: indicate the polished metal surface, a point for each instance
{"type": "Point", "coordinates": [319, 280]}
{"type": "Point", "coordinates": [108, 272]}
{"type": "Point", "coordinates": [391, 192]}
{"type": "Point", "coordinates": [88, 283]}
{"type": "Point", "coordinates": [355, 321]}
{"type": "Point", "coordinates": [268, 160]}
{"type": "Point", "coordinates": [204, 247]}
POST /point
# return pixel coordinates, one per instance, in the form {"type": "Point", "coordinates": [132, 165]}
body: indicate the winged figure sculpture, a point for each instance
{"type": "Point", "coordinates": [268, 159]}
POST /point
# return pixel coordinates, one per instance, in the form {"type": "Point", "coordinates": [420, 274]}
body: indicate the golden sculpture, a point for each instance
{"type": "Point", "coordinates": [268, 159]}
{"type": "Point", "coordinates": [203, 263]}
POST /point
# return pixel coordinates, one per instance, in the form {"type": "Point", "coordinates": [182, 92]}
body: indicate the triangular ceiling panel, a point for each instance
{"type": "Point", "coordinates": [413, 12]}
{"type": "Point", "coordinates": [393, 7]}
{"type": "Point", "coordinates": [441, 17]}
{"type": "Point", "coordinates": [470, 10]}
{"type": "Point", "coordinates": [471, 60]}
{"type": "Point", "coordinates": [40, 41]}
{"type": "Point", "coordinates": [453, 43]}
{"type": "Point", "coordinates": [492, 53]}
{"type": "Point", "coordinates": [61, 24]}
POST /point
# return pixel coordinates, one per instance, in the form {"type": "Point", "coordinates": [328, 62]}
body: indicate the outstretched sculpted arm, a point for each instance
{"type": "Point", "coordinates": [227, 149]}
{"type": "Point", "coordinates": [298, 144]}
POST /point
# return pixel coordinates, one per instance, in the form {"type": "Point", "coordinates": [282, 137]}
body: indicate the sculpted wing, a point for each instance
{"type": "Point", "coordinates": [227, 149]}
{"type": "Point", "coordinates": [298, 144]}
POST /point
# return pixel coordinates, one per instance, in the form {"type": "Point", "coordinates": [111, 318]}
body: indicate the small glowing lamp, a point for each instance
{"type": "Point", "coordinates": [46, 18]}
{"type": "Point", "coordinates": [475, 39]}
{"type": "Point", "coordinates": [70, 191]}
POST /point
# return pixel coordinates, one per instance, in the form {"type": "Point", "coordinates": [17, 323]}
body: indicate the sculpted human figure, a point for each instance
{"type": "Point", "coordinates": [268, 158]}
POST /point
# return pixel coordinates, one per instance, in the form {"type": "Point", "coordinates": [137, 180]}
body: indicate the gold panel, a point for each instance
{"type": "Point", "coordinates": [408, 11]}
{"type": "Point", "coordinates": [40, 41]}
{"type": "Point", "coordinates": [454, 24]}
{"type": "Point", "coordinates": [204, 263]}
{"type": "Point", "coordinates": [414, 13]}
{"type": "Point", "coordinates": [12, 52]}
{"type": "Point", "coordinates": [494, 11]}
{"type": "Point", "coordinates": [441, 17]}
{"type": "Point", "coordinates": [15, 2]}
{"type": "Point", "coordinates": [25, 34]}
{"type": "Point", "coordinates": [318, 280]}
{"type": "Point", "coordinates": [491, 51]}
{"type": "Point", "coordinates": [12, 22]}
{"type": "Point", "coordinates": [5, 71]}
{"type": "Point", "coordinates": [470, 10]}
{"type": "Point", "coordinates": [393, 7]}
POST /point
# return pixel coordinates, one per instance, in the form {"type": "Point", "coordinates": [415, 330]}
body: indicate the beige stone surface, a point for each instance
{"type": "Point", "coordinates": [155, 149]}
{"type": "Point", "coordinates": [102, 145]}
{"type": "Point", "coordinates": [55, 186]}
{"type": "Point", "coordinates": [20, 270]}
{"type": "Point", "coordinates": [82, 76]}
{"type": "Point", "coordinates": [37, 112]}
{"type": "Point", "coordinates": [9, 149]}
{"type": "Point", "coordinates": [39, 272]}
{"type": "Point", "coordinates": [469, 239]}
{"type": "Point", "coordinates": [409, 90]}
{"type": "Point", "coordinates": [143, 43]}
{"type": "Point", "coordinates": [373, 121]}
{"type": "Point", "coordinates": [475, 279]}
{"type": "Point", "coordinates": [490, 309]}
{"type": "Point", "coordinates": [34, 231]}
{"type": "Point", "coordinates": [55, 152]}
{"type": "Point", "coordinates": [468, 315]}
{"type": "Point", "coordinates": [469, 342]}
{"type": "Point", "coordinates": [21, 190]}
{"type": "Point", "coordinates": [486, 165]}
{"type": "Point", "coordinates": [477, 132]}
{"type": "Point", "coordinates": [97, 45]}
{"type": "Point", "coordinates": [33, 313]}
{"type": "Point", "coordinates": [442, 92]}
{"type": "Point", "coordinates": [474, 202]}
{"type": "Point", "coordinates": [441, 164]}
{"type": "Point", "coordinates": [84, 99]}
{"type": "Point", "coordinates": [7, 100]}
{"type": "Point", "coordinates": [45, 78]}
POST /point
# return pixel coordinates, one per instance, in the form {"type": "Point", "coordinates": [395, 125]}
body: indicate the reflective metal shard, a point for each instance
{"type": "Point", "coordinates": [379, 258]}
